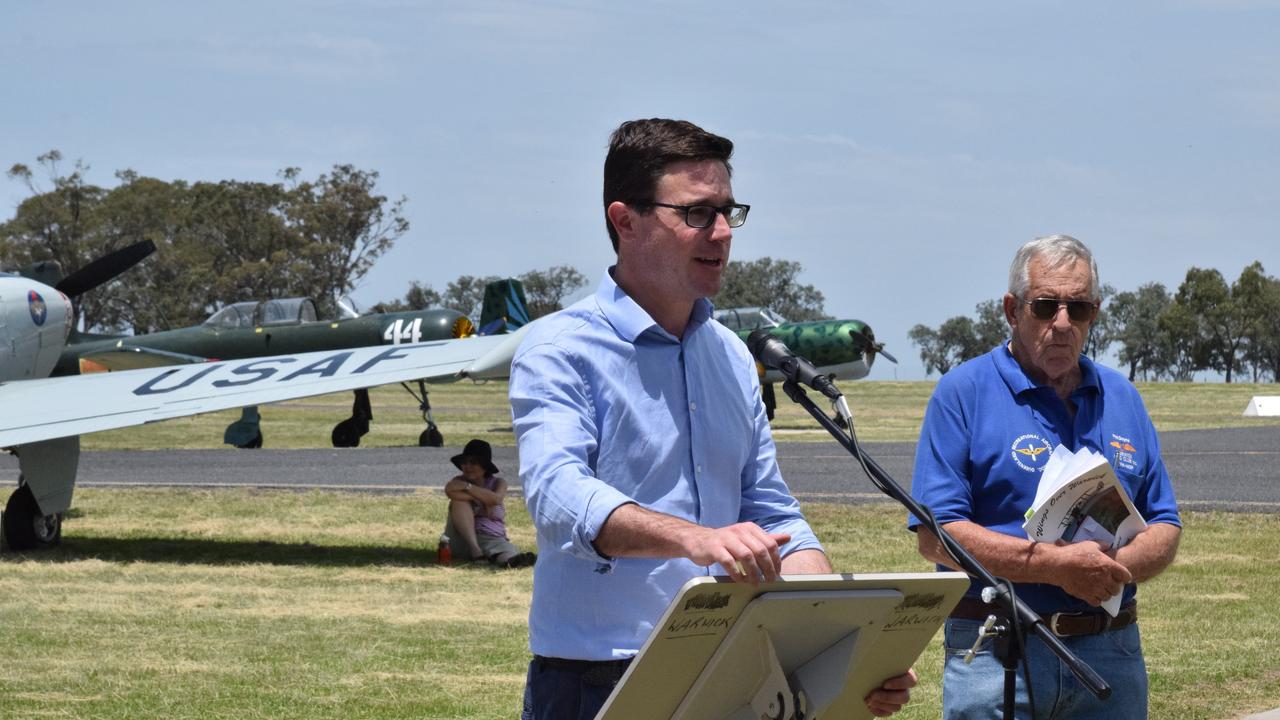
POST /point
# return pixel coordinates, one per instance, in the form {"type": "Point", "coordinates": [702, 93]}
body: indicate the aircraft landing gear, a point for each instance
{"type": "Point", "coordinates": [25, 527]}
{"type": "Point", "coordinates": [430, 437]}
{"type": "Point", "coordinates": [245, 433]}
{"type": "Point", "coordinates": [348, 432]}
{"type": "Point", "coordinates": [770, 400]}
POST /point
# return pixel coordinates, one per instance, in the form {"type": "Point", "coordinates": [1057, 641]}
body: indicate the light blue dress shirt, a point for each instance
{"type": "Point", "coordinates": [610, 409]}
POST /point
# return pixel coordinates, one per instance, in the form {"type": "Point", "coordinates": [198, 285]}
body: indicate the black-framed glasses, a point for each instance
{"type": "Point", "coordinates": [701, 216]}
{"type": "Point", "coordinates": [1077, 310]}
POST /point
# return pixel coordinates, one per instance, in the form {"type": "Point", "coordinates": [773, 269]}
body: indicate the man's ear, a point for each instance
{"type": "Point", "coordinates": [1011, 310]}
{"type": "Point", "coordinates": [623, 219]}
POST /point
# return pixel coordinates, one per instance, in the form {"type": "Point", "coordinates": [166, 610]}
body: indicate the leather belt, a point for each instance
{"type": "Point", "coordinates": [1062, 624]}
{"type": "Point", "coordinates": [598, 673]}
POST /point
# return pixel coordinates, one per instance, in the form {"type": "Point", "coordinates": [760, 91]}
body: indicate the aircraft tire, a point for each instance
{"type": "Point", "coordinates": [431, 437]}
{"type": "Point", "coordinates": [253, 444]}
{"type": "Point", "coordinates": [25, 527]}
{"type": "Point", "coordinates": [345, 434]}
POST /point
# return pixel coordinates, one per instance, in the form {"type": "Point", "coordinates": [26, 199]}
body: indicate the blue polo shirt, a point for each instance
{"type": "Point", "coordinates": [989, 430]}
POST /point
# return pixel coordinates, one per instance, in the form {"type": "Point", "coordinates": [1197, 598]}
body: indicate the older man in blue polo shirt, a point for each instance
{"type": "Point", "coordinates": [1033, 393]}
{"type": "Point", "coordinates": [644, 449]}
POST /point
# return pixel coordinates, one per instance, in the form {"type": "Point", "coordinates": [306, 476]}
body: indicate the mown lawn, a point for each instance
{"type": "Point", "coordinates": [182, 603]}
{"type": "Point", "coordinates": [175, 603]}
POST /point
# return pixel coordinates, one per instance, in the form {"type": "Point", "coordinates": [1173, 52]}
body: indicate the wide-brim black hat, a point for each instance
{"type": "Point", "coordinates": [479, 450]}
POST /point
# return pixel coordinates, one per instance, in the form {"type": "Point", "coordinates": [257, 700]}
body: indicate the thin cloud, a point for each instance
{"type": "Point", "coordinates": [312, 55]}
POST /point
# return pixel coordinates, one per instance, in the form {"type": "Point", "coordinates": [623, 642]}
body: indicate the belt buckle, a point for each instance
{"type": "Point", "coordinates": [1053, 624]}
{"type": "Point", "coordinates": [1106, 623]}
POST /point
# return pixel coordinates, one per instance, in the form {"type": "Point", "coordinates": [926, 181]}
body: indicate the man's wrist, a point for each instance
{"type": "Point", "coordinates": [1043, 564]}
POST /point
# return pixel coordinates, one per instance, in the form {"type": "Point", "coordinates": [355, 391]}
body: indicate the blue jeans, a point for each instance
{"type": "Point", "coordinates": [976, 690]}
{"type": "Point", "coordinates": [551, 693]}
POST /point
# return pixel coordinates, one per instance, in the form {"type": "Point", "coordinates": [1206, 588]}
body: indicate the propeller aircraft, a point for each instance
{"type": "Point", "coordinates": [44, 416]}
{"type": "Point", "coordinates": [843, 348]}
{"type": "Point", "coordinates": [291, 325]}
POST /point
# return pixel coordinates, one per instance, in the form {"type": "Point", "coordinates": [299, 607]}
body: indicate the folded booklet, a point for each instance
{"type": "Point", "coordinates": [1080, 498]}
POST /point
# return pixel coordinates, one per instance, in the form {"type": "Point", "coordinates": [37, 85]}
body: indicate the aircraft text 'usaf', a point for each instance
{"type": "Point", "coordinates": [44, 416]}
{"type": "Point", "coordinates": [270, 327]}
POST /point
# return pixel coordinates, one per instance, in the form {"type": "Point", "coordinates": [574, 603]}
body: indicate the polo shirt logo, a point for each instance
{"type": "Point", "coordinates": [1124, 451]}
{"type": "Point", "coordinates": [1030, 452]}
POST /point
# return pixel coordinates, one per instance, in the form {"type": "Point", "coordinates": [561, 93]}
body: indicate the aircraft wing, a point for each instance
{"type": "Point", "coordinates": [133, 358]}
{"type": "Point", "coordinates": [36, 410]}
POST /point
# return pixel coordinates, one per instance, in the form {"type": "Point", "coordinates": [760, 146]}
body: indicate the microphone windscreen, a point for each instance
{"type": "Point", "coordinates": [768, 350]}
{"type": "Point", "coordinates": [756, 341]}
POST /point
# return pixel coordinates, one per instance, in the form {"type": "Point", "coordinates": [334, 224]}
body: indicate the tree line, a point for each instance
{"type": "Point", "coordinates": [764, 282]}
{"type": "Point", "coordinates": [217, 242]}
{"type": "Point", "coordinates": [1208, 324]}
{"type": "Point", "coordinates": [229, 241]}
{"type": "Point", "coordinates": [545, 292]}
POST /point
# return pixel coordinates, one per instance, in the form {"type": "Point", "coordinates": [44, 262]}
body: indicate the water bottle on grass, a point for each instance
{"type": "Point", "coordinates": [444, 553]}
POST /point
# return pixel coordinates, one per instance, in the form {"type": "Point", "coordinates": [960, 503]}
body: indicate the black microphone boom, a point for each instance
{"type": "Point", "coordinates": [775, 355]}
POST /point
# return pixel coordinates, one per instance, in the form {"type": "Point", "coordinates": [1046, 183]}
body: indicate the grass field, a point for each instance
{"type": "Point", "coordinates": [883, 411]}
{"type": "Point", "coordinates": [310, 604]}
{"type": "Point", "coordinates": [275, 604]}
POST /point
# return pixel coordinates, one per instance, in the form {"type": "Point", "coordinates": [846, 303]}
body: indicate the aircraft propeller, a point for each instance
{"type": "Point", "coordinates": [104, 269]}
{"type": "Point", "coordinates": [867, 340]}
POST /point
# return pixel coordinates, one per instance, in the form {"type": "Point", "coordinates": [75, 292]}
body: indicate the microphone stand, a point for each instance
{"type": "Point", "coordinates": [995, 592]}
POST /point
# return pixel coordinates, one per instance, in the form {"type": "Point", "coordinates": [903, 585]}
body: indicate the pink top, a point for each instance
{"type": "Point", "coordinates": [490, 520]}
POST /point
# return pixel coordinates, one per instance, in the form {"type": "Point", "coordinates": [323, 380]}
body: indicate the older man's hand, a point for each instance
{"type": "Point", "coordinates": [892, 695]}
{"type": "Point", "coordinates": [1086, 571]}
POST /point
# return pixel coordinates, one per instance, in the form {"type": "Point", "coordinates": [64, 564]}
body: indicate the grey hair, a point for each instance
{"type": "Point", "coordinates": [1056, 251]}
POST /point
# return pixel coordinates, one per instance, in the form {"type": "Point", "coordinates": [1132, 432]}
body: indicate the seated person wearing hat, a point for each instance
{"type": "Point", "coordinates": [476, 525]}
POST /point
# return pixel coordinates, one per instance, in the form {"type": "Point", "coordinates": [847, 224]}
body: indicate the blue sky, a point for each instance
{"type": "Point", "coordinates": [901, 151]}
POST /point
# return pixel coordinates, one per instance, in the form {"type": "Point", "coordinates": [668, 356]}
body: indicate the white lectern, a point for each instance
{"type": "Point", "coordinates": [808, 646]}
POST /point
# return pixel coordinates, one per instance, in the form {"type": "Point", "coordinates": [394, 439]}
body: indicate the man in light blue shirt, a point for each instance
{"type": "Point", "coordinates": [645, 453]}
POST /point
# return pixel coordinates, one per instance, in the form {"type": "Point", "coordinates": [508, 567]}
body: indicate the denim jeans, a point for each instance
{"type": "Point", "coordinates": [554, 694]}
{"type": "Point", "coordinates": [976, 690]}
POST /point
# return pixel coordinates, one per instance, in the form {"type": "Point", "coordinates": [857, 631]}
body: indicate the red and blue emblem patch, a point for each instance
{"type": "Point", "coordinates": [39, 311]}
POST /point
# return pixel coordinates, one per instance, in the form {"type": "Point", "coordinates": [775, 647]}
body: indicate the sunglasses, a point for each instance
{"type": "Point", "coordinates": [1077, 310]}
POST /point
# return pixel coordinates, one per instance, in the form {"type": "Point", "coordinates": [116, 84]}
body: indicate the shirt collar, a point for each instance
{"type": "Point", "coordinates": [1019, 382]}
{"type": "Point", "coordinates": [630, 320]}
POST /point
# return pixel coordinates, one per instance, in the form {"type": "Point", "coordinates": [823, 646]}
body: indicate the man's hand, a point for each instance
{"type": "Point", "coordinates": [1085, 570]}
{"type": "Point", "coordinates": [892, 695]}
{"type": "Point", "coordinates": [1082, 569]}
{"type": "Point", "coordinates": [745, 551]}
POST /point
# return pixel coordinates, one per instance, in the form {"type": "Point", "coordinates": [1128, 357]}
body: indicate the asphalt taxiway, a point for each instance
{"type": "Point", "coordinates": [1234, 469]}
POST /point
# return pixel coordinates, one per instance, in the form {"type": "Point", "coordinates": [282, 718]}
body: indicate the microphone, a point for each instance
{"type": "Point", "coordinates": [773, 353]}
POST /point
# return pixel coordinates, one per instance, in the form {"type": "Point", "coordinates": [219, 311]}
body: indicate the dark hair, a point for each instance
{"type": "Point", "coordinates": [641, 150]}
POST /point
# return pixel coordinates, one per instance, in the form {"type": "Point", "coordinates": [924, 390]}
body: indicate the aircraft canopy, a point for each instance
{"type": "Point", "coordinates": [749, 318]}
{"type": "Point", "coordinates": [286, 311]}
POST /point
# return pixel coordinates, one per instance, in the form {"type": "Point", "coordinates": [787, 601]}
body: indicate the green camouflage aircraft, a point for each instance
{"type": "Point", "coordinates": [289, 326]}
{"type": "Point", "coordinates": [844, 348]}
{"type": "Point", "coordinates": [44, 416]}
